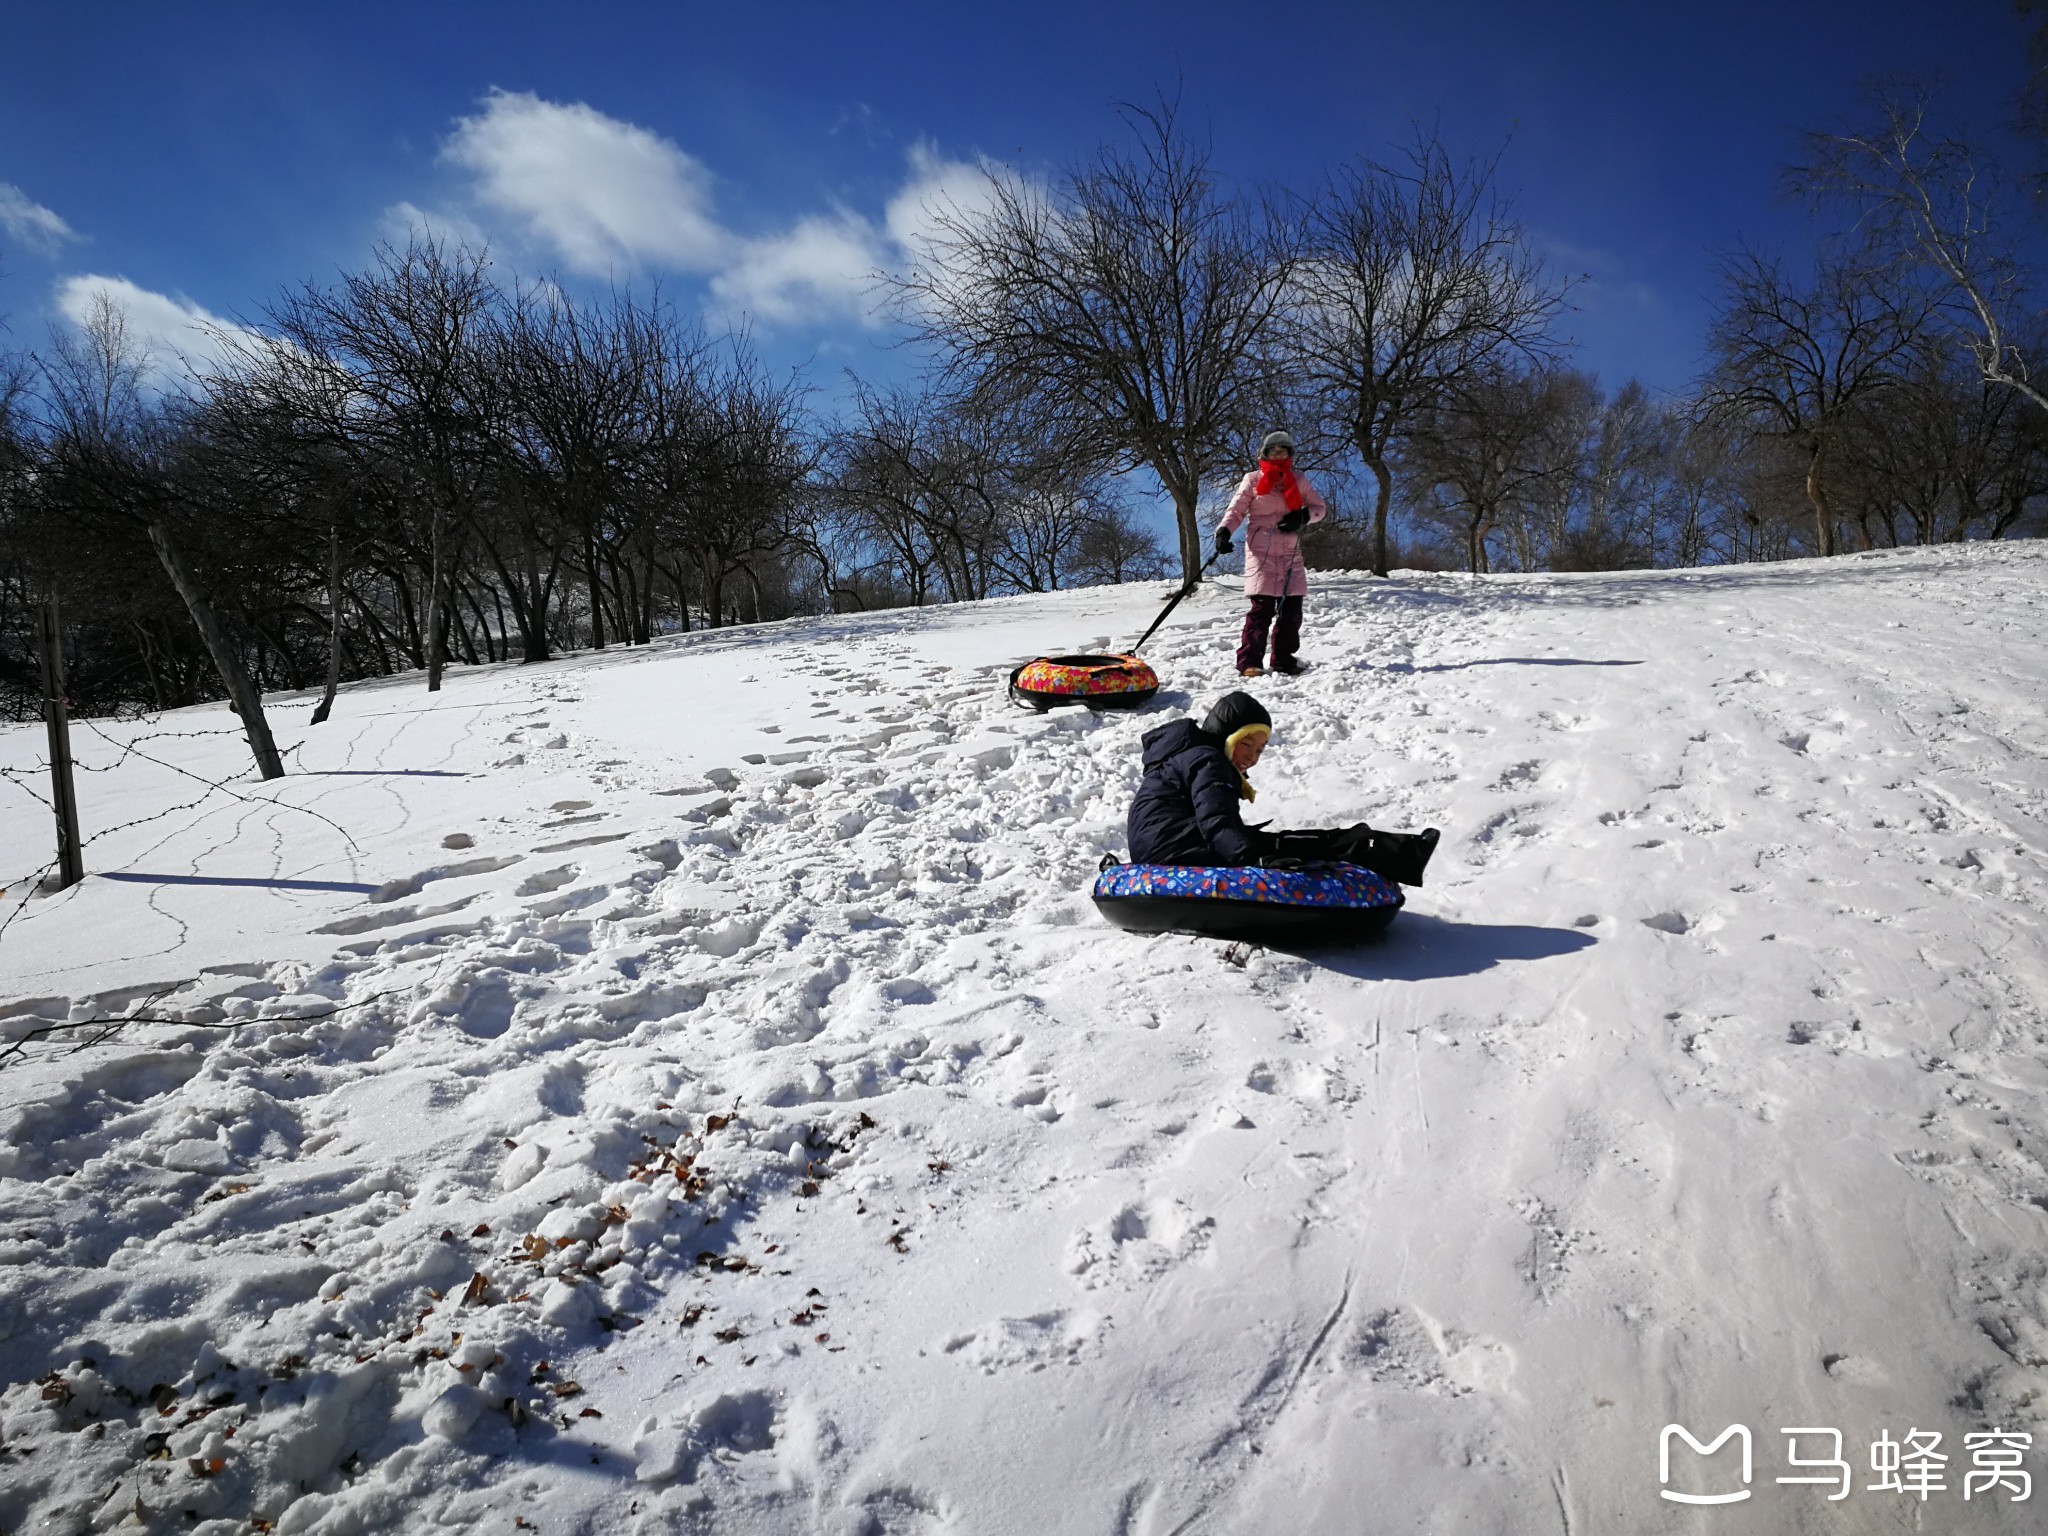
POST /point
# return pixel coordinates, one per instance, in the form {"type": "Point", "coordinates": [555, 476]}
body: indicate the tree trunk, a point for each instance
{"type": "Point", "coordinates": [411, 642]}
{"type": "Point", "coordinates": [504, 634]}
{"type": "Point", "coordinates": [596, 584]}
{"type": "Point", "coordinates": [147, 647]}
{"type": "Point", "coordinates": [326, 705]}
{"type": "Point", "coordinates": [242, 693]}
{"type": "Point", "coordinates": [438, 597]}
{"type": "Point", "coordinates": [380, 632]}
{"type": "Point", "coordinates": [1823, 516]}
{"type": "Point", "coordinates": [1383, 493]}
{"type": "Point", "coordinates": [643, 619]}
{"type": "Point", "coordinates": [540, 591]}
{"type": "Point", "coordinates": [1191, 556]}
{"type": "Point", "coordinates": [458, 626]}
{"type": "Point", "coordinates": [437, 640]}
{"type": "Point", "coordinates": [678, 578]}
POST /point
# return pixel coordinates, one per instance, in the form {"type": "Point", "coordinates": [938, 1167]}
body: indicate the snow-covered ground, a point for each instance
{"type": "Point", "coordinates": [690, 1088]}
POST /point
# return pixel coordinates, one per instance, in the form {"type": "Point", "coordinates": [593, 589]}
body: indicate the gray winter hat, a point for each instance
{"type": "Point", "coordinates": [1272, 440]}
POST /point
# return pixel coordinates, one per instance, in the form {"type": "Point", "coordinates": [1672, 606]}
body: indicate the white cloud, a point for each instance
{"type": "Point", "coordinates": [937, 188]}
{"type": "Point", "coordinates": [173, 339]}
{"type": "Point", "coordinates": [940, 190]}
{"type": "Point", "coordinates": [832, 263]}
{"type": "Point", "coordinates": [404, 220]}
{"type": "Point", "coordinates": [599, 195]}
{"type": "Point", "coordinates": [600, 192]}
{"type": "Point", "coordinates": [29, 222]}
{"type": "Point", "coordinates": [826, 264]}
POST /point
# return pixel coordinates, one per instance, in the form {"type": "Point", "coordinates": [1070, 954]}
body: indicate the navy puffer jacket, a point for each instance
{"type": "Point", "coordinates": [1186, 810]}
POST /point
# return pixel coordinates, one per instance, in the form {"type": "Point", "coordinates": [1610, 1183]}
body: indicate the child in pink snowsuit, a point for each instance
{"type": "Point", "coordinates": [1272, 504]}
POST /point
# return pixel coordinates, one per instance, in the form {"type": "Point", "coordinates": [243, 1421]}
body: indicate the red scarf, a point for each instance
{"type": "Point", "coordinates": [1273, 474]}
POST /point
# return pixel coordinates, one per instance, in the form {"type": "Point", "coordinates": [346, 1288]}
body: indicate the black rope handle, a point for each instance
{"type": "Point", "coordinates": [1174, 601]}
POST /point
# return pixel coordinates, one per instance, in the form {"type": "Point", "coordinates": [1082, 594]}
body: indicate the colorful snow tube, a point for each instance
{"type": "Point", "coordinates": [1316, 903]}
{"type": "Point", "coordinates": [1100, 682]}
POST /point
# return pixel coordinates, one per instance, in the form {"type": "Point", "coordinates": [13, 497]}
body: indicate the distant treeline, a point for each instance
{"type": "Point", "coordinates": [425, 462]}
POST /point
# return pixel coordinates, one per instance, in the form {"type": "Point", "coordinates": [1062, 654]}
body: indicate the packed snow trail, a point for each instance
{"type": "Point", "coordinates": [735, 1117]}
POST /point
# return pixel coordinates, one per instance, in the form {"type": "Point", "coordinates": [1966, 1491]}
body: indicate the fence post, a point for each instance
{"type": "Point", "coordinates": [56, 714]}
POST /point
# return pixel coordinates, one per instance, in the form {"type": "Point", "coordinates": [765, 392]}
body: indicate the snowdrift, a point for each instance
{"type": "Point", "coordinates": [690, 1089]}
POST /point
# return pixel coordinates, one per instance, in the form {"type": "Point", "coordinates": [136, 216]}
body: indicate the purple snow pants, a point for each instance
{"type": "Point", "coordinates": [1251, 644]}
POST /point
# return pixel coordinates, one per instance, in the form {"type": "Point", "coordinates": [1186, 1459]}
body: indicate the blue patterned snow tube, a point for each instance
{"type": "Point", "coordinates": [1314, 904]}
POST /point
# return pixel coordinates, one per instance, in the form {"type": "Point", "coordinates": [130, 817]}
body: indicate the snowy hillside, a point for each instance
{"type": "Point", "coordinates": [690, 1088]}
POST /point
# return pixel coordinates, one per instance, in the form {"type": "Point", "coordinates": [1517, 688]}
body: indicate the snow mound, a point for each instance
{"type": "Point", "coordinates": [752, 1127]}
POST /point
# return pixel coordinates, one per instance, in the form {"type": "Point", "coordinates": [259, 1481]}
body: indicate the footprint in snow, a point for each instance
{"type": "Point", "coordinates": [543, 881]}
{"type": "Point", "coordinates": [1028, 1343]}
{"type": "Point", "coordinates": [722, 1429]}
{"type": "Point", "coordinates": [394, 890]}
{"type": "Point", "coordinates": [1138, 1243]}
{"type": "Point", "coordinates": [368, 922]}
{"type": "Point", "coordinates": [1404, 1346]}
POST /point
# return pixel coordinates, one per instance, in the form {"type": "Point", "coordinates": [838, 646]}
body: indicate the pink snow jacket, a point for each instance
{"type": "Point", "coordinates": [1272, 559]}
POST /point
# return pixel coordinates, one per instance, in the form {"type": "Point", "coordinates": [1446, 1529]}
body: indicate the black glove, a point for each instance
{"type": "Point", "coordinates": [1295, 521]}
{"type": "Point", "coordinates": [1222, 541]}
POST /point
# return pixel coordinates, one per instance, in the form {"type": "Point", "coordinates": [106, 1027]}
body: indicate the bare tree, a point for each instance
{"type": "Point", "coordinates": [1414, 279]}
{"type": "Point", "coordinates": [385, 366]}
{"type": "Point", "coordinates": [2033, 102]}
{"type": "Point", "coordinates": [1117, 548]}
{"type": "Point", "coordinates": [574, 382]}
{"type": "Point", "coordinates": [110, 461]}
{"type": "Point", "coordinates": [1792, 361]}
{"type": "Point", "coordinates": [1701, 508]}
{"type": "Point", "coordinates": [1622, 452]}
{"type": "Point", "coordinates": [727, 474]}
{"type": "Point", "coordinates": [929, 473]}
{"type": "Point", "coordinates": [1488, 452]}
{"type": "Point", "coordinates": [1944, 456]}
{"type": "Point", "coordinates": [1131, 303]}
{"type": "Point", "coordinates": [1931, 203]}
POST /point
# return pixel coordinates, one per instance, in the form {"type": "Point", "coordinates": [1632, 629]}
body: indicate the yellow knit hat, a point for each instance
{"type": "Point", "coordinates": [1258, 733]}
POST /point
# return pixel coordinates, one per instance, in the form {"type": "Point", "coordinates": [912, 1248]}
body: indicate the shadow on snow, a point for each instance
{"type": "Point", "coordinates": [273, 885]}
{"type": "Point", "coordinates": [1421, 948]}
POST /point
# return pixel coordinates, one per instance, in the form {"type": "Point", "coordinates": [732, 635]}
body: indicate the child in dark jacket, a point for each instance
{"type": "Point", "coordinates": [1186, 810]}
{"type": "Point", "coordinates": [1195, 775]}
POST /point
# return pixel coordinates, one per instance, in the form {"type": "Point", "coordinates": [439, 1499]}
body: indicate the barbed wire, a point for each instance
{"type": "Point", "coordinates": [15, 777]}
{"type": "Point", "coordinates": [132, 747]}
{"type": "Point", "coordinates": [110, 1025]}
{"type": "Point", "coordinates": [31, 884]}
{"type": "Point", "coordinates": [214, 785]}
{"type": "Point", "coordinates": [169, 810]}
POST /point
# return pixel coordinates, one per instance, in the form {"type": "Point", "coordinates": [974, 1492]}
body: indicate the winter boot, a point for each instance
{"type": "Point", "coordinates": [1397, 856]}
{"type": "Point", "coordinates": [1401, 856]}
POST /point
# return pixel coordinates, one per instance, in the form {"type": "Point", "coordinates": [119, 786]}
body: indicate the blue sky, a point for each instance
{"type": "Point", "coordinates": [758, 158]}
